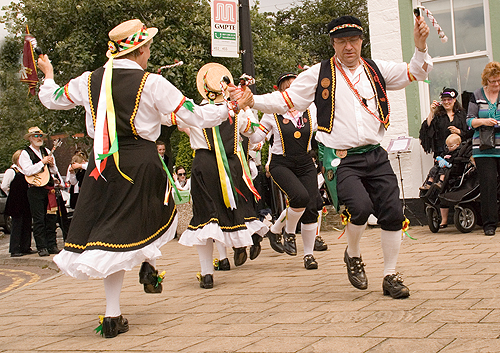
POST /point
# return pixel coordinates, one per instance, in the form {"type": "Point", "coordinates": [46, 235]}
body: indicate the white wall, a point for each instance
{"type": "Point", "coordinates": [385, 38]}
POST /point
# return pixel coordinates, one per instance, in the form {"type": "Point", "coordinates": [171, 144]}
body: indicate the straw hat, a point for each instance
{"type": "Point", "coordinates": [128, 36]}
{"type": "Point", "coordinates": [34, 131]}
{"type": "Point", "coordinates": [208, 81]}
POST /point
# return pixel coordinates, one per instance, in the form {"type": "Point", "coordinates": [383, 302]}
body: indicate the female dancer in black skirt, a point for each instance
{"type": "Point", "coordinates": [292, 170]}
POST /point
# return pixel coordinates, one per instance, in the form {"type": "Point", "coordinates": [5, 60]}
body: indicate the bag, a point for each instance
{"type": "Point", "coordinates": [486, 137]}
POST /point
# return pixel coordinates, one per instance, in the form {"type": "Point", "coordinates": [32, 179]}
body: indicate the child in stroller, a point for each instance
{"type": "Point", "coordinates": [443, 162]}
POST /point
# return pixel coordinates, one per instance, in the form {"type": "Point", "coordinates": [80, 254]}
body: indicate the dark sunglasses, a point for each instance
{"type": "Point", "coordinates": [181, 173]}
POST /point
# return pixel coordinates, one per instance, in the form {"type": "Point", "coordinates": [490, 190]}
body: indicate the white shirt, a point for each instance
{"type": "Point", "coordinates": [353, 126]}
{"type": "Point", "coordinates": [8, 176]}
{"type": "Point", "coordinates": [29, 168]}
{"type": "Point", "coordinates": [269, 122]}
{"type": "Point", "coordinates": [244, 118]}
{"type": "Point", "coordinates": [71, 178]}
{"type": "Point", "coordinates": [158, 99]}
{"type": "Point", "coordinates": [187, 185]}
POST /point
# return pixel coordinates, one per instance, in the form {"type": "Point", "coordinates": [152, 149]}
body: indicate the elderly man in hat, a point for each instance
{"type": "Point", "coordinates": [125, 211]}
{"type": "Point", "coordinates": [40, 167]}
{"type": "Point", "coordinates": [353, 113]}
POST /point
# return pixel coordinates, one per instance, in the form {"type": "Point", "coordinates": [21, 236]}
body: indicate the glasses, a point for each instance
{"type": "Point", "coordinates": [494, 82]}
{"type": "Point", "coordinates": [37, 135]}
{"type": "Point", "coordinates": [181, 173]}
{"type": "Point", "coordinates": [344, 41]}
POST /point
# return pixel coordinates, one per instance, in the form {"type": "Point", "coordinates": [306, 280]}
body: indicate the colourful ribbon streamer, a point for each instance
{"type": "Point", "coordinates": [247, 175]}
{"type": "Point", "coordinates": [226, 180]}
{"type": "Point", "coordinates": [436, 25]}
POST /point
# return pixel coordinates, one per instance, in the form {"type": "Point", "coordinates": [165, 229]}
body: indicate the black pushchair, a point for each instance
{"type": "Point", "coordinates": [459, 190]}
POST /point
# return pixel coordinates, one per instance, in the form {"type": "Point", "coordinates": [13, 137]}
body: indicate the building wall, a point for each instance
{"type": "Point", "coordinates": [495, 28]}
{"type": "Point", "coordinates": [391, 37]}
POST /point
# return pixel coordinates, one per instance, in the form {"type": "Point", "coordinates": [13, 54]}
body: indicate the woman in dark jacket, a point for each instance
{"type": "Point", "coordinates": [446, 117]}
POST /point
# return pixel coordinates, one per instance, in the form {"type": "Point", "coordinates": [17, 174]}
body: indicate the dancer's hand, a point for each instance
{"type": "Point", "coordinates": [46, 66]}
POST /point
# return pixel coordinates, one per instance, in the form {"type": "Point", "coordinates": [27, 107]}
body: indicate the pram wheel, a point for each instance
{"type": "Point", "coordinates": [465, 218]}
{"type": "Point", "coordinates": [433, 218]}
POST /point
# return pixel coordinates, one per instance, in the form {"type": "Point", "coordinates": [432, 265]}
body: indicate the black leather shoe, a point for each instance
{"type": "Point", "coordinates": [289, 244]}
{"type": "Point", "coordinates": [240, 256]}
{"type": "Point", "coordinates": [16, 254]}
{"type": "Point", "coordinates": [148, 276]}
{"type": "Point", "coordinates": [310, 262]}
{"type": "Point", "coordinates": [275, 242]}
{"type": "Point", "coordinates": [223, 265]}
{"type": "Point", "coordinates": [489, 232]}
{"type": "Point", "coordinates": [206, 281]}
{"type": "Point", "coordinates": [356, 271]}
{"type": "Point", "coordinates": [29, 251]}
{"type": "Point", "coordinates": [54, 250]}
{"type": "Point", "coordinates": [255, 248]}
{"type": "Point", "coordinates": [43, 252]}
{"type": "Point", "coordinates": [319, 244]}
{"type": "Point", "coordinates": [393, 286]}
{"type": "Point", "coordinates": [112, 326]}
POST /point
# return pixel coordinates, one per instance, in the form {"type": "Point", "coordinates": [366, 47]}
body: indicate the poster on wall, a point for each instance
{"type": "Point", "coordinates": [225, 28]}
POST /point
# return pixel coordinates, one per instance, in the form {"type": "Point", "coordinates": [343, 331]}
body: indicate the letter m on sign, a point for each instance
{"type": "Point", "coordinates": [225, 12]}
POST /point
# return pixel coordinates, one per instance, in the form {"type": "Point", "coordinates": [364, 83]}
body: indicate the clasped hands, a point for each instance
{"type": "Point", "coordinates": [242, 95]}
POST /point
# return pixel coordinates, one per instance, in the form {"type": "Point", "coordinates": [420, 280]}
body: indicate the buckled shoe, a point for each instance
{"type": "Point", "coordinates": [310, 262]}
{"type": "Point", "coordinates": [289, 244]}
{"type": "Point", "coordinates": [240, 256]}
{"type": "Point", "coordinates": [319, 244]}
{"type": "Point", "coordinates": [255, 248]}
{"type": "Point", "coordinates": [206, 281]}
{"type": "Point", "coordinates": [275, 242]}
{"type": "Point", "coordinates": [356, 271]}
{"type": "Point", "coordinates": [112, 326]}
{"type": "Point", "coordinates": [148, 276]}
{"type": "Point", "coordinates": [393, 286]}
{"type": "Point", "coordinates": [223, 265]}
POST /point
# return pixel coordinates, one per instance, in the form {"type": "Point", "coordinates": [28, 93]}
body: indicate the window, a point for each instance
{"type": "Point", "coordinates": [458, 63]}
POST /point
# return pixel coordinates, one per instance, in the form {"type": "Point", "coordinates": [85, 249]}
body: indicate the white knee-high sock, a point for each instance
{"type": "Point", "coordinates": [292, 218]}
{"type": "Point", "coordinates": [353, 234]}
{"type": "Point", "coordinates": [308, 232]}
{"type": "Point", "coordinates": [113, 287]}
{"type": "Point", "coordinates": [221, 248]}
{"type": "Point", "coordinates": [391, 243]}
{"type": "Point", "coordinates": [279, 224]}
{"type": "Point", "coordinates": [320, 217]}
{"type": "Point", "coordinates": [205, 255]}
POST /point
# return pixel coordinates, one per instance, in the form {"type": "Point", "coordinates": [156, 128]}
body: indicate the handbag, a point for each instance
{"type": "Point", "coordinates": [486, 137]}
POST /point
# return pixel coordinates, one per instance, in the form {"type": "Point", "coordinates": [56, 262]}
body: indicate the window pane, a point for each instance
{"type": "Point", "coordinates": [470, 73]}
{"type": "Point", "coordinates": [469, 26]}
{"type": "Point", "coordinates": [442, 75]}
{"type": "Point", "coordinates": [441, 10]}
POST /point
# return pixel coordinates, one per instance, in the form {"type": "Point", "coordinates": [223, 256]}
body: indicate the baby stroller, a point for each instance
{"type": "Point", "coordinates": [460, 190]}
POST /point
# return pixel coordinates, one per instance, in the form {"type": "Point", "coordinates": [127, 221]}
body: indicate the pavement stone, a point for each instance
{"type": "Point", "coordinates": [272, 304]}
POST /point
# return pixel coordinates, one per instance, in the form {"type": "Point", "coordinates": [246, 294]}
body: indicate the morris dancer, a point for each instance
{"type": "Point", "coordinates": [293, 171]}
{"type": "Point", "coordinates": [353, 112]}
{"type": "Point", "coordinates": [125, 212]}
{"type": "Point", "coordinates": [216, 182]}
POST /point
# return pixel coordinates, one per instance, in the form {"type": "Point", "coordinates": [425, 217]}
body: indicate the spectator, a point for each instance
{"type": "Point", "coordinates": [76, 174]}
{"type": "Point", "coordinates": [483, 115]}
{"type": "Point", "coordinates": [14, 184]}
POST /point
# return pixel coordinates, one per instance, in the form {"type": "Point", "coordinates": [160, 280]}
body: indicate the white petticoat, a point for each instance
{"type": "Point", "coordinates": [101, 263]}
{"type": "Point", "coordinates": [257, 226]}
{"type": "Point", "coordinates": [237, 239]}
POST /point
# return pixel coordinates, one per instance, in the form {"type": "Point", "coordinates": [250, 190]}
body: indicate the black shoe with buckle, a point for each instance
{"type": "Point", "coordinates": [43, 252]}
{"type": "Point", "coordinates": [319, 244]}
{"type": "Point", "coordinates": [240, 256]}
{"type": "Point", "coordinates": [148, 276]}
{"type": "Point", "coordinates": [255, 248]}
{"type": "Point", "coordinates": [206, 281]}
{"type": "Point", "coordinates": [54, 250]}
{"type": "Point", "coordinates": [310, 262]}
{"type": "Point", "coordinates": [356, 271]}
{"type": "Point", "coordinates": [222, 265]}
{"type": "Point", "coordinates": [16, 254]}
{"type": "Point", "coordinates": [275, 242]}
{"type": "Point", "coordinates": [112, 326]}
{"type": "Point", "coordinates": [289, 244]}
{"type": "Point", "coordinates": [393, 286]}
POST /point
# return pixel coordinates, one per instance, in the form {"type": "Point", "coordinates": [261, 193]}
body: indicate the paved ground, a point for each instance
{"type": "Point", "coordinates": [272, 304]}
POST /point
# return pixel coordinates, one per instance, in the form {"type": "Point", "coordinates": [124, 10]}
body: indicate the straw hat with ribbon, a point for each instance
{"type": "Point", "coordinates": [35, 130]}
{"type": "Point", "coordinates": [208, 82]}
{"type": "Point", "coordinates": [128, 36]}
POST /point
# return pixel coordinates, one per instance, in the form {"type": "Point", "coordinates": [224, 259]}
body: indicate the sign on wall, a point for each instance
{"type": "Point", "coordinates": [225, 28]}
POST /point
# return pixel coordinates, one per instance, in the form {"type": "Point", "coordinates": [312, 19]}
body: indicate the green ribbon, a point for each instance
{"type": "Point", "coordinates": [113, 149]}
{"type": "Point", "coordinates": [169, 176]}
{"type": "Point", "coordinates": [189, 106]}
{"type": "Point", "coordinates": [59, 92]}
{"type": "Point", "coordinates": [224, 161]}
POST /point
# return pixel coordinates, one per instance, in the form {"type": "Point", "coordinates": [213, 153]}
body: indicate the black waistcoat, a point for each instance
{"type": "Point", "coordinates": [17, 204]}
{"type": "Point", "coordinates": [228, 133]}
{"type": "Point", "coordinates": [293, 140]}
{"type": "Point", "coordinates": [325, 93]}
{"type": "Point", "coordinates": [35, 159]}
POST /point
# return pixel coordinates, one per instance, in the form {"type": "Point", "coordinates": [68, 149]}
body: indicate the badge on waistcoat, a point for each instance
{"type": "Point", "coordinates": [325, 82]}
{"type": "Point", "coordinates": [297, 134]}
{"type": "Point", "coordinates": [325, 94]}
{"type": "Point", "coordinates": [341, 153]}
{"type": "Point", "coordinates": [286, 121]}
{"type": "Point", "coordinates": [304, 120]}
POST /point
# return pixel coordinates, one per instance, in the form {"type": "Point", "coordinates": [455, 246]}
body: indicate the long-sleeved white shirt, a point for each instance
{"type": "Point", "coordinates": [8, 176]}
{"type": "Point", "coordinates": [30, 169]}
{"type": "Point", "coordinates": [353, 126]}
{"type": "Point", "coordinates": [158, 99]}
